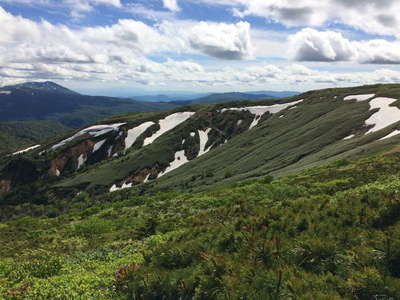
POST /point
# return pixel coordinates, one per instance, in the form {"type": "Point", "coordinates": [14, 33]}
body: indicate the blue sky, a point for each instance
{"type": "Point", "coordinates": [122, 47]}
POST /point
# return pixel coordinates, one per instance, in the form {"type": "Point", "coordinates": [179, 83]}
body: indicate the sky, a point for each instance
{"type": "Point", "coordinates": [132, 47]}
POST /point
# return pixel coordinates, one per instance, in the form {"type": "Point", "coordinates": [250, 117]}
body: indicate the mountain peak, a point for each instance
{"type": "Point", "coordinates": [44, 86]}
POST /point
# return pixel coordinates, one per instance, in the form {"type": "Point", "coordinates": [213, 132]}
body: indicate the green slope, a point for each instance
{"type": "Point", "coordinates": [301, 135]}
{"type": "Point", "coordinates": [326, 233]}
{"type": "Point", "coordinates": [20, 135]}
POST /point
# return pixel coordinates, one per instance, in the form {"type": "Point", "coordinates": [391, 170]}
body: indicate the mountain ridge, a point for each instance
{"type": "Point", "coordinates": [237, 141]}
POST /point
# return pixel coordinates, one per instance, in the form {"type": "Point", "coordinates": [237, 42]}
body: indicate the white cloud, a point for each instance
{"type": "Point", "coordinates": [328, 46]}
{"type": "Point", "coordinates": [371, 16]}
{"type": "Point", "coordinates": [172, 5]}
{"type": "Point", "coordinates": [226, 41]}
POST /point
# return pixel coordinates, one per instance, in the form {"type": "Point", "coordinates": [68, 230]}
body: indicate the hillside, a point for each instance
{"type": "Point", "coordinates": [20, 135]}
{"type": "Point", "coordinates": [199, 147]}
{"type": "Point", "coordinates": [326, 233]}
{"type": "Point", "coordinates": [33, 101]}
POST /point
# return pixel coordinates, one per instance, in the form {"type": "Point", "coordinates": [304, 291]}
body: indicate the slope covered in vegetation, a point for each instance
{"type": "Point", "coordinates": [330, 232]}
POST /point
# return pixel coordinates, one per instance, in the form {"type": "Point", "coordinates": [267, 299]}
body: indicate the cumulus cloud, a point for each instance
{"type": "Point", "coordinates": [226, 41]}
{"type": "Point", "coordinates": [328, 46]}
{"type": "Point", "coordinates": [371, 16]}
{"type": "Point", "coordinates": [172, 5]}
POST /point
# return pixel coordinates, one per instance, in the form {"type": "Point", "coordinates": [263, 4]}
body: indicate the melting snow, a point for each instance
{"type": "Point", "coordinates": [98, 145]}
{"type": "Point", "coordinates": [349, 137]}
{"type": "Point", "coordinates": [385, 116]}
{"type": "Point", "coordinates": [167, 124]}
{"type": "Point", "coordinates": [109, 151]}
{"type": "Point", "coordinates": [134, 133]}
{"type": "Point", "coordinates": [81, 160]}
{"type": "Point", "coordinates": [203, 141]}
{"type": "Point", "coordinates": [359, 98]}
{"type": "Point", "coordinates": [147, 178]}
{"type": "Point", "coordinates": [239, 122]}
{"type": "Point", "coordinates": [95, 131]}
{"type": "Point", "coordinates": [26, 150]}
{"type": "Point", "coordinates": [180, 160]}
{"type": "Point", "coordinates": [5, 92]}
{"type": "Point", "coordinates": [396, 132]}
{"type": "Point", "coordinates": [192, 134]}
{"type": "Point", "coordinates": [124, 186]}
{"type": "Point", "coordinates": [258, 111]}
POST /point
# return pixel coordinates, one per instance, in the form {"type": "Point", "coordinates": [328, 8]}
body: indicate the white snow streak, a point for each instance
{"type": "Point", "coordinates": [26, 150]}
{"type": "Point", "coordinates": [258, 111]}
{"type": "Point", "coordinates": [167, 124]}
{"type": "Point", "coordinates": [349, 137]}
{"type": "Point", "coordinates": [98, 145]}
{"type": "Point", "coordinates": [115, 188]}
{"type": "Point", "coordinates": [180, 160]}
{"type": "Point", "coordinates": [5, 92]}
{"type": "Point", "coordinates": [203, 141]}
{"type": "Point", "coordinates": [394, 133]}
{"type": "Point", "coordinates": [134, 133]}
{"type": "Point", "coordinates": [81, 160]}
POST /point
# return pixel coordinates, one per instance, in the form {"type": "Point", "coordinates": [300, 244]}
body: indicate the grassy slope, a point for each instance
{"type": "Point", "coordinates": [309, 135]}
{"type": "Point", "coordinates": [326, 233]}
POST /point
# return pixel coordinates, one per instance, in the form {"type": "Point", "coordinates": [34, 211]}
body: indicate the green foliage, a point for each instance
{"type": "Point", "coordinates": [329, 232]}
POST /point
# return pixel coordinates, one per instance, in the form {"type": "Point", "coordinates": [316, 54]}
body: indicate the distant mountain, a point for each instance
{"type": "Point", "coordinates": [35, 101]}
{"type": "Point", "coordinates": [223, 97]}
{"type": "Point", "coordinates": [276, 94]}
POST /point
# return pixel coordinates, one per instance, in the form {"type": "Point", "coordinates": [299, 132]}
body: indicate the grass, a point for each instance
{"type": "Point", "coordinates": [329, 232]}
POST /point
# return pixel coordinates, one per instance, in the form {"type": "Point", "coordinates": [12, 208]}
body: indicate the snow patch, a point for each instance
{"type": "Point", "coordinates": [203, 141]}
{"type": "Point", "coordinates": [98, 145]}
{"type": "Point", "coordinates": [134, 133]}
{"type": "Point", "coordinates": [115, 188]}
{"type": "Point", "coordinates": [385, 116]}
{"type": "Point", "coordinates": [94, 131]}
{"type": "Point", "coordinates": [239, 122]}
{"type": "Point", "coordinates": [109, 151]}
{"type": "Point", "coordinates": [167, 124]}
{"type": "Point", "coordinates": [81, 160]}
{"type": "Point", "coordinates": [394, 133]}
{"type": "Point", "coordinates": [192, 134]}
{"type": "Point", "coordinates": [5, 92]}
{"type": "Point", "coordinates": [258, 111]}
{"type": "Point", "coordinates": [147, 178]}
{"type": "Point", "coordinates": [183, 141]}
{"type": "Point", "coordinates": [58, 173]}
{"type": "Point", "coordinates": [26, 150]}
{"type": "Point", "coordinates": [359, 98]}
{"type": "Point", "coordinates": [180, 160]}
{"type": "Point", "coordinates": [349, 137]}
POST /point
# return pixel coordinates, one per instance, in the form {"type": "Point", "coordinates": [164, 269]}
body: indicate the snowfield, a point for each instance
{"type": "Point", "coordinates": [259, 111]}
{"type": "Point", "coordinates": [359, 98]}
{"type": "Point", "coordinates": [95, 131]}
{"type": "Point", "coordinates": [385, 116]}
{"type": "Point", "coordinates": [168, 124]}
{"type": "Point", "coordinates": [26, 150]}
{"type": "Point", "coordinates": [203, 141]}
{"type": "Point", "coordinates": [180, 160]}
{"type": "Point", "coordinates": [134, 133]}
